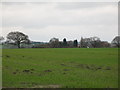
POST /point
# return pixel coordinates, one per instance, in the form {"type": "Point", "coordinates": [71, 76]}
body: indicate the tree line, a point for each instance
{"type": "Point", "coordinates": [18, 39]}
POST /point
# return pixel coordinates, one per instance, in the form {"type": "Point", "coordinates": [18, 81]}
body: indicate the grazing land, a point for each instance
{"type": "Point", "coordinates": [60, 68]}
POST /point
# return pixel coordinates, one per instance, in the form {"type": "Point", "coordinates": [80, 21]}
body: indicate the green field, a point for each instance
{"type": "Point", "coordinates": [60, 68]}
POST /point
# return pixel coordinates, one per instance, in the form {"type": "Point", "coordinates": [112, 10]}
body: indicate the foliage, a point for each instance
{"type": "Point", "coordinates": [18, 38]}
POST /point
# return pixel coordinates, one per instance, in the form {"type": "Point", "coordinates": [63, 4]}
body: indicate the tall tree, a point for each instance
{"type": "Point", "coordinates": [81, 42]}
{"type": "Point", "coordinates": [64, 42]}
{"type": "Point", "coordinates": [17, 38]}
{"type": "Point", "coordinates": [75, 43]}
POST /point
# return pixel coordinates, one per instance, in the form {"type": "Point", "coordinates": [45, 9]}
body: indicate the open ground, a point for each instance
{"type": "Point", "coordinates": [60, 68]}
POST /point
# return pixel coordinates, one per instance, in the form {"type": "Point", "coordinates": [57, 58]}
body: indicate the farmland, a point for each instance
{"type": "Point", "coordinates": [60, 68]}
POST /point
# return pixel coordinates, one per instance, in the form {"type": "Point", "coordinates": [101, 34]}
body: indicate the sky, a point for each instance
{"type": "Point", "coordinates": [42, 21]}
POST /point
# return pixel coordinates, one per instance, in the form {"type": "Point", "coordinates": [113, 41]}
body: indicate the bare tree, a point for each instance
{"type": "Point", "coordinates": [17, 38]}
{"type": "Point", "coordinates": [95, 42]}
{"type": "Point", "coordinates": [70, 44]}
{"type": "Point", "coordinates": [54, 42]}
{"type": "Point", "coordinates": [1, 38]}
{"type": "Point", "coordinates": [81, 42]}
{"type": "Point", "coordinates": [90, 42]}
{"type": "Point", "coordinates": [105, 44]}
{"type": "Point", "coordinates": [116, 41]}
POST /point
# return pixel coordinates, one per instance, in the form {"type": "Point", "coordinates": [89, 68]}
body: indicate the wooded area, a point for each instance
{"type": "Point", "coordinates": [20, 40]}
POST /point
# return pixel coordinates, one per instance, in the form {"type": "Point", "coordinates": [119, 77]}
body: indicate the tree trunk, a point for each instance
{"type": "Point", "coordinates": [18, 44]}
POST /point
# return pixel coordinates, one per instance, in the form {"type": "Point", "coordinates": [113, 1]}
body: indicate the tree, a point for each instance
{"type": "Point", "coordinates": [54, 42]}
{"type": "Point", "coordinates": [105, 44]}
{"type": "Point", "coordinates": [70, 44]}
{"type": "Point", "coordinates": [75, 43]}
{"type": "Point", "coordinates": [1, 38]}
{"type": "Point", "coordinates": [85, 42]}
{"type": "Point", "coordinates": [95, 42]}
{"type": "Point", "coordinates": [116, 42]}
{"type": "Point", "coordinates": [82, 43]}
{"type": "Point", "coordinates": [64, 42]}
{"type": "Point", "coordinates": [90, 42]}
{"type": "Point", "coordinates": [17, 38]}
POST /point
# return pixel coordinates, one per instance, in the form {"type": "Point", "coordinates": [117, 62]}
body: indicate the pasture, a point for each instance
{"type": "Point", "coordinates": [60, 68]}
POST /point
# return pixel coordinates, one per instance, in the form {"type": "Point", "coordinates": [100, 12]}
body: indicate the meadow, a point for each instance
{"type": "Point", "coordinates": [60, 68]}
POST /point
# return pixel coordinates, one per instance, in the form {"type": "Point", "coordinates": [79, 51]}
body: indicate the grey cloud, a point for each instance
{"type": "Point", "coordinates": [83, 5]}
{"type": "Point", "coordinates": [103, 19]}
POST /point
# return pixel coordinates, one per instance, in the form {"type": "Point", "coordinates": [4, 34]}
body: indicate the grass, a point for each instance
{"type": "Point", "coordinates": [60, 68]}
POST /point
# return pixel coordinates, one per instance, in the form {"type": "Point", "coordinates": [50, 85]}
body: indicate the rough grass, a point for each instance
{"type": "Point", "coordinates": [60, 68]}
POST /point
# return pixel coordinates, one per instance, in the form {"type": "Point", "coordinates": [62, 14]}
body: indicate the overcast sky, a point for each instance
{"type": "Point", "coordinates": [43, 21]}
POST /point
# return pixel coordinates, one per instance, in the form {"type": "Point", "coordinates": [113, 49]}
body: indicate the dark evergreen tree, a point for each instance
{"type": "Point", "coordinates": [64, 42]}
{"type": "Point", "coordinates": [75, 43]}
